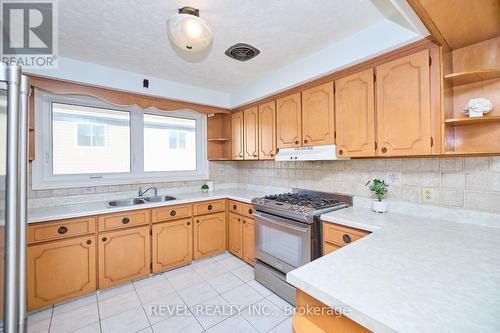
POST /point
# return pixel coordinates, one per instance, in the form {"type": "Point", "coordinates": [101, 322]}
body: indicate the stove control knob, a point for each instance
{"type": "Point", "coordinates": [295, 207]}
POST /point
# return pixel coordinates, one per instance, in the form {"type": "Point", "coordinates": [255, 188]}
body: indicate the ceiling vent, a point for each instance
{"type": "Point", "coordinates": [242, 52]}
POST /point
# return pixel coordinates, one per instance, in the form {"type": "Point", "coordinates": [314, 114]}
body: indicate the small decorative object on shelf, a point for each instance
{"type": "Point", "coordinates": [204, 188]}
{"type": "Point", "coordinates": [210, 185]}
{"type": "Point", "coordinates": [477, 107]}
{"type": "Point", "coordinates": [379, 188]}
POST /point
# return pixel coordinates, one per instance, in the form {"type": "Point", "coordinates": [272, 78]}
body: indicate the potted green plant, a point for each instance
{"type": "Point", "coordinates": [204, 188]}
{"type": "Point", "coordinates": [379, 188]}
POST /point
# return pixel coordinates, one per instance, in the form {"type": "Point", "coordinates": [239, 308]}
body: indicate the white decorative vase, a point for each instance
{"type": "Point", "coordinates": [210, 186]}
{"type": "Point", "coordinates": [204, 190]}
{"type": "Point", "coordinates": [379, 206]}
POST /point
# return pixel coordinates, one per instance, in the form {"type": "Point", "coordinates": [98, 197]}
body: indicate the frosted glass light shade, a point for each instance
{"type": "Point", "coordinates": [189, 32]}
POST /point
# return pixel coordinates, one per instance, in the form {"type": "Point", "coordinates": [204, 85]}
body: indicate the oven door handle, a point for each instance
{"type": "Point", "coordinates": [276, 220]}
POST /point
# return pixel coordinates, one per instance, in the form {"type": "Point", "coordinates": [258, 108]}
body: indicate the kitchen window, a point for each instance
{"type": "Point", "coordinates": [87, 142]}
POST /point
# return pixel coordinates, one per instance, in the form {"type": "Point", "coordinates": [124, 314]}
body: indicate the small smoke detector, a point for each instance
{"type": "Point", "coordinates": [242, 52]}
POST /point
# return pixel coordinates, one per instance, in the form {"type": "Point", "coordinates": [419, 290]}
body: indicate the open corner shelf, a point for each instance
{"type": "Point", "coordinates": [472, 76]}
{"type": "Point", "coordinates": [218, 139]}
{"type": "Point", "coordinates": [470, 121]}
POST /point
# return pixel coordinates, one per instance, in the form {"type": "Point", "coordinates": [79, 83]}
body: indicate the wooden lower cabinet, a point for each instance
{"type": "Point", "coordinates": [60, 270]}
{"type": "Point", "coordinates": [235, 233]}
{"type": "Point", "coordinates": [123, 256]}
{"type": "Point", "coordinates": [249, 240]}
{"type": "Point", "coordinates": [335, 236]}
{"type": "Point", "coordinates": [316, 317]}
{"type": "Point", "coordinates": [209, 235]}
{"type": "Point", "coordinates": [172, 244]}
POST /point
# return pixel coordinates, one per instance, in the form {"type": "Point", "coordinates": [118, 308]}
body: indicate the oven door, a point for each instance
{"type": "Point", "coordinates": [282, 243]}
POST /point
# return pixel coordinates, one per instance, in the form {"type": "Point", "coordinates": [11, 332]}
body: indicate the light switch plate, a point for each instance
{"type": "Point", "coordinates": [427, 194]}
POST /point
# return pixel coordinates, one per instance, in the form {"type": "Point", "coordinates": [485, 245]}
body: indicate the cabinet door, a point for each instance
{"type": "Point", "coordinates": [248, 240]}
{"type": "Point", "coordinates": [318, 118]}
{"type": "Point", "coordinates": [209, 235]}
{"type": "Point", "coordinates": [123, 256]}
{"type": "Point", "coordinates": [403, 106]}
{"type": "Point", "coordinates": [172, 244]}
{"type": "Point", "coordinates": [250, 134]}
{"type": "Point", "coordinates": [237, 135]}
{"type": "Point", "coordinates": [60, 270]}
{"type": "Point", "coordinates": [267, 131]}
{"type": "Point", "coordinates": [355, 115]}
{"type": "Point", "coordinates": [289, 121]}
{"type": "Point", "coordinates": [235, 233]}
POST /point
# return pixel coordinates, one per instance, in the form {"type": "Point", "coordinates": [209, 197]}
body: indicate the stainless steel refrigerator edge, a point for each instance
{"type": "Point", "coordinates": [16, 88]}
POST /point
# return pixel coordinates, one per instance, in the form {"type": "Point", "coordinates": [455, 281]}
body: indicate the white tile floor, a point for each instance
{"type": "Point", "coordinates": [214, 295]}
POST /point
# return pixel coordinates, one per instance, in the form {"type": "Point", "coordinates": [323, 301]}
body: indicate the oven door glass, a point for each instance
{"type": "Point", "coordinates": [282, 243]}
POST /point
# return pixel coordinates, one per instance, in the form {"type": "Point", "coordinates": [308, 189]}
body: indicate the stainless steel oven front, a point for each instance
{"type": "Point", "coordinates": [281, 245]}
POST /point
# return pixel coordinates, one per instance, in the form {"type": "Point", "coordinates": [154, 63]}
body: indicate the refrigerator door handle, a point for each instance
{"type": "Point", "coordinates": [22, 198]}
{"type": "Point", "coordinates": [11, 287]}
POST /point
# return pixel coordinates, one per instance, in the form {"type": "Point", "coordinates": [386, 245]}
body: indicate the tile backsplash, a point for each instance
{"type": "Point", "coordinates": [469, 182]}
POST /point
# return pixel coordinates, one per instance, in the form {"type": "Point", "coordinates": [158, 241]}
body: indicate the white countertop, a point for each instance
{"type": "Point", "coordinates": [412, 274]}
{"type": "Point", "coordinates": [93, 208]}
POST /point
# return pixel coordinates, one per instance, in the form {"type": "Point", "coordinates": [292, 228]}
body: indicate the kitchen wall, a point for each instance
{"type": "Point", "coordinates": [470, 182]}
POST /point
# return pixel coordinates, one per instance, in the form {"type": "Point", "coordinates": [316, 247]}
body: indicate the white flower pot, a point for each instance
{"type": "Point", "coordinates": [379, 206]}
{"type": "Point", "coordinates": [204, 190]}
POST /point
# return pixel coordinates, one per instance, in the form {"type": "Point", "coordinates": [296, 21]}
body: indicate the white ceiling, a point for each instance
{"type": "Point", "coordinates": [131, 35]}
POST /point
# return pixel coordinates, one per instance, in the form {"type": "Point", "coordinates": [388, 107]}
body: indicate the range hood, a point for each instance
{"type": "Point", "coordinates": [314, 153]}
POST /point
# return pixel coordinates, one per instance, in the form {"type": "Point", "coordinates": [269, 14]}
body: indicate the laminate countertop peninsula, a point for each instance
{"type": "Point", "coordinates": [411, 274]}
{"type": "Point", "coordinates": [58, 212]}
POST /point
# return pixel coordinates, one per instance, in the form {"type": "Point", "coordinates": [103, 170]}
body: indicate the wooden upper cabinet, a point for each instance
{"type": "Point", "coordinates": [60, 270]}
{"type": "Point", "coordinates": [289, 121]}
{"type": "Point", "coordinates": [250, 134]}
{"type": "Point", "coordinates": [318, 118]}
{"type": "Point", "coordinates": [355, 115]}
{"type": "Point", "coordinates": [267, 131]}
{"type": "Point", "coordinates": [123, 256]}
{"type": "Point", "coordinates": [172, 244]}
{"type": "Point", "coordinates": [209, 235]}
{"type": "Point", "coordinates": [403, 106]}
{"type": "Point", "coordinates": [237, 135]}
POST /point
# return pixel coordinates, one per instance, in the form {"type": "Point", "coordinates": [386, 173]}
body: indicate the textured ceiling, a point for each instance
{"type": "Point", "coordinates": [131, 34]}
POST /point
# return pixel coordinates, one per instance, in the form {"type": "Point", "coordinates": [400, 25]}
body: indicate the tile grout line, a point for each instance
{"type": "Point", "coordinates": [142, 306]}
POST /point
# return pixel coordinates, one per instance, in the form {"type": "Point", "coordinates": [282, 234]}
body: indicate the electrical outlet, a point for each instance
{"type": "Point", "coordinates": [427, 194]}
{"type": "Point", "coordinates": [221, 172]}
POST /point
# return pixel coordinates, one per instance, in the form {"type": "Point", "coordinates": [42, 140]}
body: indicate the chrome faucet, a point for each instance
{"type": "Point", "coordinates": [141, 192]}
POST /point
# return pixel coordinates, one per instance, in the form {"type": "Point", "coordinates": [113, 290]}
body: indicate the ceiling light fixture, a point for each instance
{"type": "Point", "coordinates": [187, 31]}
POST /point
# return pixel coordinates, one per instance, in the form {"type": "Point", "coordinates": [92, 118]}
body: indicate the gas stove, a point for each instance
{"type": "Point", "coordinates": [302, 205]}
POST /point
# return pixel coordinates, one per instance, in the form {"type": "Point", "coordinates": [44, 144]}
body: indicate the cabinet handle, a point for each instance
{"type": "Point", "coordinates": [244, 222]}
{"type": "Point", "coordinates": [239, 219]}
{"type": "Point", "coordinates": [125, 220]}
{"type": "Point", "coordinates": [384, 150]}
{"type": "Point", "coordinates": [62, 230]}
{"type": "Point", "coordinates": [241, 155]}
{"type": "Point", "coordinates": [104, 239]}
{"type": "Point", "coordinates": [305, 141]}
{"type": "Point", "coordinates": [173, 213]}
{"type": "Point", "coordinates": [89, 242]}
{"type": "Point", "coordinates": [250, 211]}
{"type": "Point", "coordinates": [297, 142]}
{"type": "Point", "coordinates": [209, 207]}
{"type": "Point", "coordinates": [254, 155]}
{"type": "Point", "coordinates": [347, 239]}
{"type": "Point", "coordinates": [198, 221]}
{"type": "Point", "coordinates": [271, 155]}
{"type": "Point", "coordinates": [234, 207]}
{"type": "Point", "coordinates": [341, 151]}
{"type": "Point", "coordinates": [189, 223]}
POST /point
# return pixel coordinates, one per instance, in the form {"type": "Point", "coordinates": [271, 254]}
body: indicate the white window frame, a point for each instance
{"type": "Point", "coordinates": [91, 138]}
{"type": "Point", "coordinates": [43, 178]}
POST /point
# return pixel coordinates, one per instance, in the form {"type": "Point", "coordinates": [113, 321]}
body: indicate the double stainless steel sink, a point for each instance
{"type": "Point", "coordinates": [139, 201]}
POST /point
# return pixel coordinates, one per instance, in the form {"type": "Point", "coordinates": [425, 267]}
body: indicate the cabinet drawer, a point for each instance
{"type": "Point", "coordinates": [341, 235]}
{"type": "Point", "coordinates": [329, 247]}
{"type": "Point", "coordinates": [41, 232]}
{"type": "Point", "coordinates": [234, 207]}
{"type": "Point", "coordinates": [208, 207]}
{"type": "Point", "coordinates": [248, 210]}
{"type": "Point", "coordinates": [123, 220]}
{"type": "Point", "coordinates": [171, 213]}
